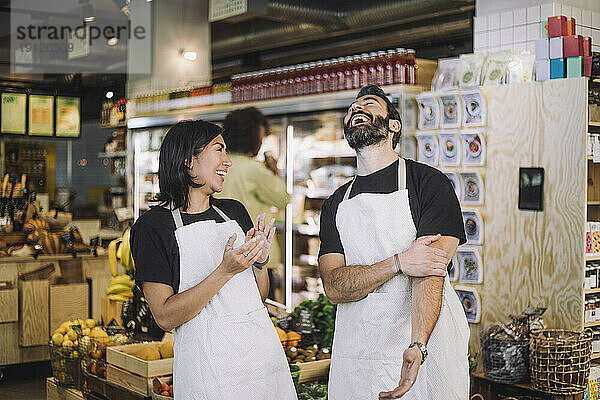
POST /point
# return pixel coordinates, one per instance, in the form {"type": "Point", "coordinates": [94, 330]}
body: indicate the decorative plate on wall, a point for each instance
{"type": "Point", "coordinates": [471, 265]}
{"type": "Point", "coordinates": [450, 150]}
{"type": "Point", "coordinates": [451, 111]}
{"type": "Point", "coordinates": [473, 227]}
{"type": "Point", "coordinates": [471, 303]}
{"type": "Point", "coordinates": [472, 189]}
{"type": "Point", "coordinates": [429, 152]}
{"type": "Point", "coordinates": [473, 148]}
{"type": "Point", "coordinates": [429, 111]}
{"type": "Point", "coordinates": [474, 109]}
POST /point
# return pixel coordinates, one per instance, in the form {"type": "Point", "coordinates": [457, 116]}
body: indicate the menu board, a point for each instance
{"type": "Point", "coordinates": [13, 112]}
{"type": "Point", "coordinates": [41, 115]}
{"type": "Point", "coordinates": [68, 120]}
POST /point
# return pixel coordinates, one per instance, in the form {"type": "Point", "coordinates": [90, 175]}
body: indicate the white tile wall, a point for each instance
{"type": "Point", "coordinates": [518, 29]}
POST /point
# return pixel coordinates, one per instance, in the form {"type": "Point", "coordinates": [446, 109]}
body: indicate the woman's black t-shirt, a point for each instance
{"type": "Point", "coordinates": [154, 247]}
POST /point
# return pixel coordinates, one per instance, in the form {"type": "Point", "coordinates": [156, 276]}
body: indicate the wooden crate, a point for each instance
{"type": "Point", "coordinates": [9, 305]}
{"type": "Point", "coordinates": [122, 357]}
{"type": "Point", "coordinates": [111, 309]}
{"type": "Point", "coordinates": [314, 370]}
{"type": "Point", "coordinates": [33, 319]}
{"type": "Point", "coordinates": [55, 392]}
{"type": "Point", "coordinates": [68, 302]}
{"type": "Point", "coordinates": [132, 382]}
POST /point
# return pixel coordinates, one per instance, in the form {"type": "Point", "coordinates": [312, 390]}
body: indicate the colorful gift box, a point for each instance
{"type": "Point", "coordinates": [556, 47]}
{"type": "Point", "coordinates": [558, 68]}
{"type": "Point", "coordinates": [574, 67]}
{"type": "Point", "coordinates": [557, 26]}
{"type": "Point", "coordinates": [587, 46]}
{"type": "Point", "coordinates": [573, 46]}
{"type": "Point", "coordinates": [570, 27]}
{"type": "Point", "coordinates": [542, 70]}
{"type": "Point", "coordinates": [542, 49]}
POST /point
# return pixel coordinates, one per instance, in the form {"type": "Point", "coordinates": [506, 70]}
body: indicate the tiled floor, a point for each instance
{"type": "Point", "coordinates": [25, 381]}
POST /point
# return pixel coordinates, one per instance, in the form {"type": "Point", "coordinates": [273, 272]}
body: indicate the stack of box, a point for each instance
{"type": "Point", "coordinates": [565, 54]}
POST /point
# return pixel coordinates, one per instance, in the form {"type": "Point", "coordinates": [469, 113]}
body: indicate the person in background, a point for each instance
{"type": "Point", "coordinates": [200, 262]}
{"type": "Point", "coordinates": [256, 185]}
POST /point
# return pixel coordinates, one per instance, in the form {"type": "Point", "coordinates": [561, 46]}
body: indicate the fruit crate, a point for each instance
{"type": "Point", "coordinates": [65, 365]}
{"type": "Point", "coordinates": [124, 358]}
{"type": "Point", "coordinates": [135, 383]}
{"type": "Point", "coordinates": [314, 370]}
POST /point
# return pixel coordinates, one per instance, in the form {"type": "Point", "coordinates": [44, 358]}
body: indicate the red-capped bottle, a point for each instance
{"type": "Point", "coordinates": [364, 70]}
{"type": "Point", "coordinates": [389, 68]}
{"type": "Point", "coordinates": [399, 66]}
{"type": "Point", "coordinates": [319, 78]}
{"type": "Point", "coordinates": [411, 67]}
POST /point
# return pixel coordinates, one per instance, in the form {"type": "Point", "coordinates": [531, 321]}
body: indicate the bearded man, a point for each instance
{"type": "Point", "coordinates": [387, 238]}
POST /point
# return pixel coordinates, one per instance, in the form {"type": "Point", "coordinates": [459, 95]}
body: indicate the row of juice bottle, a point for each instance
{"type": "Point", "coordinates": [391, 67]}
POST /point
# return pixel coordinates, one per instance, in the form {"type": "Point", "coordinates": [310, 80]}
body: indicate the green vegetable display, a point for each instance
{"type": "Point", "coordinates": [323, 317]}
{"type": "Point", "coordinates": [312, 391]}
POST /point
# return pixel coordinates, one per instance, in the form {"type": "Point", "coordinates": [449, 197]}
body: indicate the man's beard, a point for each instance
{"type": "Point", "coordinates": [361, 136]}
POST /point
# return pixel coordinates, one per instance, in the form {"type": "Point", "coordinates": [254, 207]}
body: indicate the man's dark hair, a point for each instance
{"type": "Point", "coordinates": [242, 130]}
{"type": "Point", "coordinates": [183, 141]}
{"type": "Point", "coordinates": [393, 113]}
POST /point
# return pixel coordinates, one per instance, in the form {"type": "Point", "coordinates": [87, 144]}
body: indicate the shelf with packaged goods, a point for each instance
{"type": "Point", "coordinates": [114, 154]}
{"type": "Point", "coordinates": [288, 105]}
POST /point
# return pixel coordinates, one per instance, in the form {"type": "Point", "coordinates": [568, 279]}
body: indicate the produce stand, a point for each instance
{"type": "Point", "coordinates": [97, 388]}
{"type": "Point", "coordinates": [56, 392]}
{"type": "Point", "coordinates": [491, 390]}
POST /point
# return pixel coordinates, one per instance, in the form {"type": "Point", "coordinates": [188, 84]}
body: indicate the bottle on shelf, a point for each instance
{"type": "Point", "coordinates": [380, 68]}
{"type": "Point", "coordinates": [325, 75]}
{"type": "Point", "coordinates": [372, 69]}
{"type": "Point", "coordinates": [411, 67]}
{"type": "Point", "coordinates": [348, 65]}
{"type": "Point", "coordinates": [389, 68]}
{"type": "Point", "coordinates": [364, 70]}
{"type": "Point", "coordinates": [341, 73]}
{"type": "Point", "coordinates": [319, 78]}
{"type": "Point", "coordinates": [399, 68]}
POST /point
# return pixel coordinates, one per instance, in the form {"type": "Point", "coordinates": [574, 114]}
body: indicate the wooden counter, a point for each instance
{"type": "Point", "coordinates": [491, 390]}
{"type": "Point", "coordinates": [96, 271]}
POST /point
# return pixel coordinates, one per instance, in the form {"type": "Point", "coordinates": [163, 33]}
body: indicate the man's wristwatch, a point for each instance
{"type": "Point", "coordinates": [421, 347]}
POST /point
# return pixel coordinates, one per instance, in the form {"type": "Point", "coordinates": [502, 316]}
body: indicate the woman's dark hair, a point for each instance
{"type": "Point", "coordinates": [183, 141]}
{"type": "Point", "coordinates": [242, 130]}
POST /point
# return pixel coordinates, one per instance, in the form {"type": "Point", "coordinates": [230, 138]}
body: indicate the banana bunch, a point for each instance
{"type": "Point", "coordinates": [120, 288]}
{"type": "Point", "coordinates": [120, 251]}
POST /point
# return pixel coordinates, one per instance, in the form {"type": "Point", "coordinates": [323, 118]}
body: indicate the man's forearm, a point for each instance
{"type": "Point", "coordinates": [353, 282]}
{"type": "Point", "coordinates": [426, 305]}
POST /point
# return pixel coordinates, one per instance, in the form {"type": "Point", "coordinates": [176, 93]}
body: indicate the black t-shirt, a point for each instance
{"type": "Point", "coordinates": [433, 203]}
{"type": "Point", "coordinates": [154, 246]}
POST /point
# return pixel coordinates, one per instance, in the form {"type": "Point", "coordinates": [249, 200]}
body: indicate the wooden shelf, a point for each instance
{"type": "Point", "coordinates": [592, 291]}
{"type": "Point", "coordinates": [595, 356]}
{"type": "Point", "coordinates": [594, 123]}
{"type": "Point", "coordinates": [591, 324]}
{"type": "Point", "coordinates": [592, 258]}
{"type": "Point", "coordinates": [593, 203]}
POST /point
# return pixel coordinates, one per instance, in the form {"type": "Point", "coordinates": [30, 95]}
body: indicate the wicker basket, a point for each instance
{"type": "Point", "coordinates": [560, 360]}
{"type": "Point", "coordinates": [65, 365]}
{"type": "Point", "coordinates": [506, 360]}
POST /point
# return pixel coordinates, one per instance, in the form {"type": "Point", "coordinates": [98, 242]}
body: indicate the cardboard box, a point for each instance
{"type": "Point", "coordinates": [587, 46]}
{"type": "Point", "coordinates": [556, 47]}
{"type": "Point", "coordinates": [574, 67]}
{"type": "Point", "coordinates": [542, 70]}
{"type": "Point", "coordinates": [557, 26]}
{"type": "Point", "coordinates": [573, 46]}
{"type": "Point", "coordinates": [558, 68]}
{"type": "Point", "coordinates": [570, 27]}
{"type": "Point", "coordinates": [542, 49]}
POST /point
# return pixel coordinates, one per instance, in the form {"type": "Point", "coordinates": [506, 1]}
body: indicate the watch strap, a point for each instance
{"type": "Point", "coordinates": [421, 347]}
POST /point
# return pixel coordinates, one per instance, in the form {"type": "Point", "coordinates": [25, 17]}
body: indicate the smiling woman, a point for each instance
{"type": "Point", "coordinates": [187, 251]}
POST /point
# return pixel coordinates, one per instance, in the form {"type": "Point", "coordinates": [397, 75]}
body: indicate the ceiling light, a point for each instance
{"type": "Point", "coordinates": [109, 94]}
{"type": "Point", "coordinates": [112, 41]}
{"type": "Point", "coordinates": [189, 55]}
{"type": "Point", "coordinates": [88, 13]}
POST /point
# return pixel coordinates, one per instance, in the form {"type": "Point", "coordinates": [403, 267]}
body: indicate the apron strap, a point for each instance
{"type": "Point", "coordinates": [177, 218]}
{"type": "Point", "coordinates": [401, 178]}
{"type": "Point", "coordinates": [221, 213]}
{"type": "Point", "coordinates": [401, 173]}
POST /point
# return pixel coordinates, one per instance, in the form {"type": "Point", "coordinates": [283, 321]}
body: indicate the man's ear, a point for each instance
{"type": "Point", "coordinates": [394, 125]}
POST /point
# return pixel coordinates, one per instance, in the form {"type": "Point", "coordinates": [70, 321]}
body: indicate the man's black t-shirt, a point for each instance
{"type": "Point", "coordinates": [154, 246]}
{"type": "Point", "coordinates": [433, 203]}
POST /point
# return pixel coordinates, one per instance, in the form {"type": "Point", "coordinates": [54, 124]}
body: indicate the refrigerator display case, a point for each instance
{"type": "Point", "coordinates": [313, 157]}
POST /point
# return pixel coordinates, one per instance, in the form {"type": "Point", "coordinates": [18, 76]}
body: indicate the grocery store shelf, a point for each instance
{"type": "Point", "coordinates": [592, 258]}
{"type": "Point", "coordinates": [591, 324]}
{"type": "Point", "coordinates": [116, 154]}
{"type": "Point", "coordinates": [593, 203]}
{"type": "Point", "coordinates": [298, 104]}
{"type": "Point", "coordinates": [592, 291]}
{"type": "Point", "coordinates": [594, 123]}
